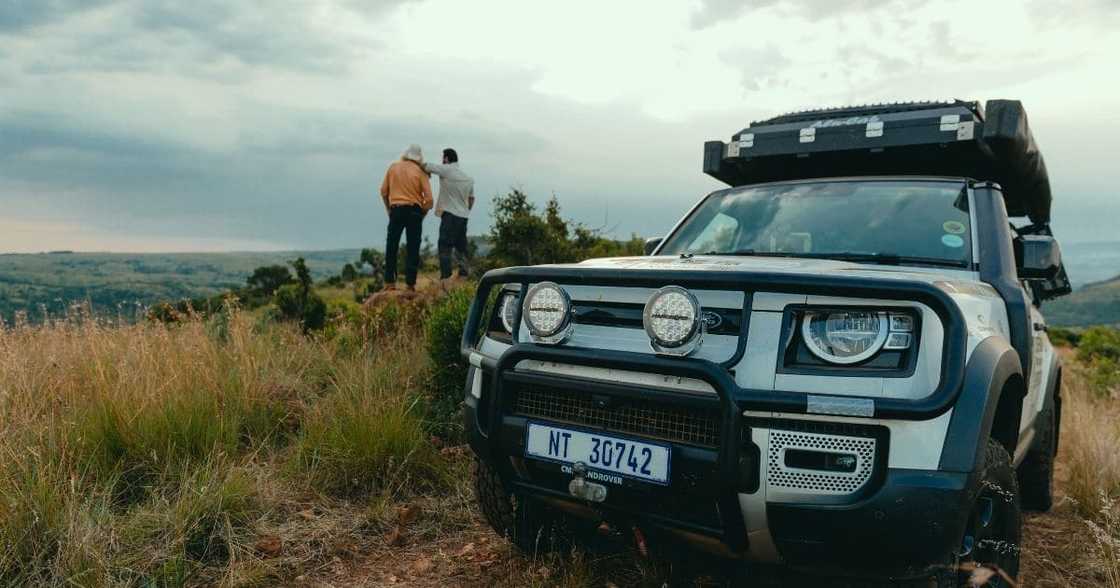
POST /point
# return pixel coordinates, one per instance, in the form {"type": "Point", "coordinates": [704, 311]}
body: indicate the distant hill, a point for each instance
{"type": "Point", "coordinates": [1093, 304]}
{"type": "Point", "coordinates": [118, 282]}
{"type": "Point", "coordinates": [1090, 262]}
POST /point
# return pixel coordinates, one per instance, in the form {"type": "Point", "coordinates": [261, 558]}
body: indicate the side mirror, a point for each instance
{"type": "Point", "coordinates": [651, 245]}
{"type": "Point", "coordinates": [1039, 257]}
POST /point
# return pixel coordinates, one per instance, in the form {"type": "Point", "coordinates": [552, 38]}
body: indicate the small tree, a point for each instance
{"type": "Point", "coordinates": [349, 273]}
{"type": "Point", "coordinates": [520, 236]}
{"type": "Point", "coordinates": [373, 258]}
{"type": "Point", "coordinates": [299, 302]}
{"type": "Point", "coordinates": [265, 280]}
{"type": "Point", "coordinates": [303, 275]}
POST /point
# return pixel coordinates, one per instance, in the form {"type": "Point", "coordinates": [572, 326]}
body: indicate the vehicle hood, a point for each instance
{"type": "Point", "coordinates": [787, 265]}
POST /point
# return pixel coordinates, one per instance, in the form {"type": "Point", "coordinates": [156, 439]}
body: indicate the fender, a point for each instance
{"type": "Point", "coordinates": [992, 365]}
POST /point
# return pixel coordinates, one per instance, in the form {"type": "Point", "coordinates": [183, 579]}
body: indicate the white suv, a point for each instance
{"type": "Point", "coordinates": [839, 376]}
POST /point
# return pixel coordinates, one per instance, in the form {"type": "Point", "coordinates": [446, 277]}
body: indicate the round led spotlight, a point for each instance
{"type": "Point", "coordinates": [845, 337]}
{"type": "Point", "coordinates": [547, 313]}
{"type": "Point", "coordinates": [673, 321]}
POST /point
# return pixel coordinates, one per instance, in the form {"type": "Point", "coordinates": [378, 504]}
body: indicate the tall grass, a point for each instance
{"type": "Point", "coordinates": [151, 454]}
{"type": "Point", "coordinates": [368, 433]}
{"type": "Point", "coordinates": [1089, 450]}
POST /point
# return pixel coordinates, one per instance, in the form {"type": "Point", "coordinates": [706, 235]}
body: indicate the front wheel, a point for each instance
{"type": "Point", "coordinates": [992, 536]}
{"type": "Point", "coordinates": [532, 527]}
{"type": "Point", "coordinates": [1036, 473]}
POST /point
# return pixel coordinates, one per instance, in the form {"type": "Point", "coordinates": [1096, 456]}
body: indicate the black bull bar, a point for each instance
{"type": "Point", "coordinates": [733, 399]}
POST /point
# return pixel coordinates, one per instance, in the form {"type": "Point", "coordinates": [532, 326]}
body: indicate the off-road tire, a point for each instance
{"type": "Point", "coordinates": [998, 483]}
{"type": "Point", "coordinates": [532, 527]}
{"type": "Point", "coordinates": [495, 503]}
{"type": "Point", "coordinates": [1036, 473]}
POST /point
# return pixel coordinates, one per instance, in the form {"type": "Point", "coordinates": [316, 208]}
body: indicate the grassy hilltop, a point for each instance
{"type": "Point", "coordinates": [293, 435]}
{"type": "Point", "coordinates": [1092, 304]}
{"type": "Point", "coordinates": [239, 451]}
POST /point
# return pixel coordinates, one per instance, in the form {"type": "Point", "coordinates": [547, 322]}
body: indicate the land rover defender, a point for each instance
{"type": "Point", "coordinates": [836, 366]}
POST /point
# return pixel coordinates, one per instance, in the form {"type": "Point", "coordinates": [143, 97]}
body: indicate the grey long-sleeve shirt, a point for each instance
{"type": "Point", "coordinates": [455, 189]}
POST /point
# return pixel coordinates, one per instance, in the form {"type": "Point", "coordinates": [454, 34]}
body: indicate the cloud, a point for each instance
{"type": "Point", "coordinates": [713, 12]}
{"type": "Point", "coordinates": [19, 15]}
{"type": "Point", "coordinates": [760, 68]}
{"type": "Point", "coordinates": [273, 122]}
{"type": "Point", "coordinates": [277, 32]}
{"type": "Point", "coordinates": [206, 38]}
{"type": "Point", "coordinates": [1094, 13]}
{"type": "Point", "coordinates": [299, 176]}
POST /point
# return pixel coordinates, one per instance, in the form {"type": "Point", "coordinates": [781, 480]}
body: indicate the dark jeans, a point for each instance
{"type": "Point", "coordinates": [407, 219]}
{"type": "Point", "coordinates": [452, 236]}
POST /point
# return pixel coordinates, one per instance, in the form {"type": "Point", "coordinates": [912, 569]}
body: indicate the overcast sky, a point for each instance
{"type": "Point", "coordinates": [166, 125]}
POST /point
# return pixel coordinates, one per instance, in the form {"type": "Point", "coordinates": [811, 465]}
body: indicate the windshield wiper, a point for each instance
{"type": "Point", "coordinates": [893, 259]}
{"type": "Point", "coordinates": [880, 258]}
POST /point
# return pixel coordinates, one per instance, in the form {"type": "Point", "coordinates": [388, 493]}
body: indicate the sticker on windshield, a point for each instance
{"type": "Point", "coordinates": [952, 241]}
{"type": "Point", "coordinates": [953, 228]}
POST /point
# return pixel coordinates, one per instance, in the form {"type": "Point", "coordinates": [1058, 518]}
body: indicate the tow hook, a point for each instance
{"type": "Point", "coordinates": [581, 488]}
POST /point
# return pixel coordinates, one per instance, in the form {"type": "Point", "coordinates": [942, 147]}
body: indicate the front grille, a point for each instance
{"type": "Point", "coordinates": [681, 424]}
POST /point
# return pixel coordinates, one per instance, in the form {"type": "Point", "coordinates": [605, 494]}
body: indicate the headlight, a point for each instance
{"type": "Point", "coordinates": [847, 337]}
{"type": "Point", "coordinates": [672, 321]}
{"type": "Point", "coordinates": [547, 313]}
{"type": "Point", "coordinates": [507, 310]}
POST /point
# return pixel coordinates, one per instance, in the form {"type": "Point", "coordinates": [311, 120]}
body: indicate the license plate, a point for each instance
{"type": "Point", "coordinates": [605, 453]}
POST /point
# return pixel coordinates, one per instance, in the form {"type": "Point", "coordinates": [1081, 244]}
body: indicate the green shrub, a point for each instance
{"type": "Point", "coordinates": [367, 434]}
{"type": "Point", "coordinates": [352, 446]}
{"type": "Point", "coordinates": [306, 307]}
{"type": "Point", "coordinates": [1104, 376]}
{"type": "Point", "coordinates": [443, 334]}
{"type": "Point", "coordinates": [204, 520]}
{"type": "Point", "coordinates": [1062, 337]}
{"type": "Point", "coordinates": [1099, 342]}
{"type": "Point", "coordinates": [137, 447]}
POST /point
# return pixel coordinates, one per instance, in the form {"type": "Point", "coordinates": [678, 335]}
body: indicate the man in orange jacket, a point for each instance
{"type": "Point", "coordinates": [407, 194]}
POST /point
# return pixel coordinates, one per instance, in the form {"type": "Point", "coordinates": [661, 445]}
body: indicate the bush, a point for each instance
{"type": "Point", "coordinates": [306, 307]}
{"type": "Point", "coordinates": [203, 521]}
{"type": "Point", "coordinates": [367, 434]}
{"type": "Point", "coordinates": [1061, 337]}
{"type": "Point", "coordinates": [443, 334]}
{"type": "Point", "coordinates": [1098, 343]}
{"type": "Point", "coordinates": [522, 236]}
{"type": "Point", "coordinates": [267, 279]}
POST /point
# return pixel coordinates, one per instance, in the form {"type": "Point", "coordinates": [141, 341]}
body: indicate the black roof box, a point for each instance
{"type": "Point", "coordinates": [954, 138]}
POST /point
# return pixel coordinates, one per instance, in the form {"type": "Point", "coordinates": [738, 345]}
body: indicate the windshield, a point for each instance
{"type": "Point", "coordinates": [905, 221]}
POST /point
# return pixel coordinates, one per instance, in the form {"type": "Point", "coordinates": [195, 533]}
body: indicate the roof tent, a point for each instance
{"type": "Point", "coordinates": [922, 138]}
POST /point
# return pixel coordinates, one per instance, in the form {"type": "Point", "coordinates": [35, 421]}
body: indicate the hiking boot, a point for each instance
{"type": "Point", "coordinates": [389, 288]}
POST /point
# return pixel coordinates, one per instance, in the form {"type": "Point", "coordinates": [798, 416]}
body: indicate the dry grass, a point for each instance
{"type": "Point", "coordinates": [1078, 542]}
{"type": "Point", "coordinates": [227, 452]}
{"type": "Point", "coordinates": [144, 454]}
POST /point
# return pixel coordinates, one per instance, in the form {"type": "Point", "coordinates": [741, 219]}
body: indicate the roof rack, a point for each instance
{"type": "Point", "coordinates": [868, 109]}
{"type": "Point", "coordinates": [960, 138]}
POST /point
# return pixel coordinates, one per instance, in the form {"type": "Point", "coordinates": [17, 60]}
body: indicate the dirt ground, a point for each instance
{"type": "Point", "coordinates": [448, 544]}
{"type": "Point", "coordinates": [428, 551]}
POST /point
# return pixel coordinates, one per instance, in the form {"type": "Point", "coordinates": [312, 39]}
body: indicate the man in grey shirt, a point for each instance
{"type": "Point", "coordinates": [453, 206]}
